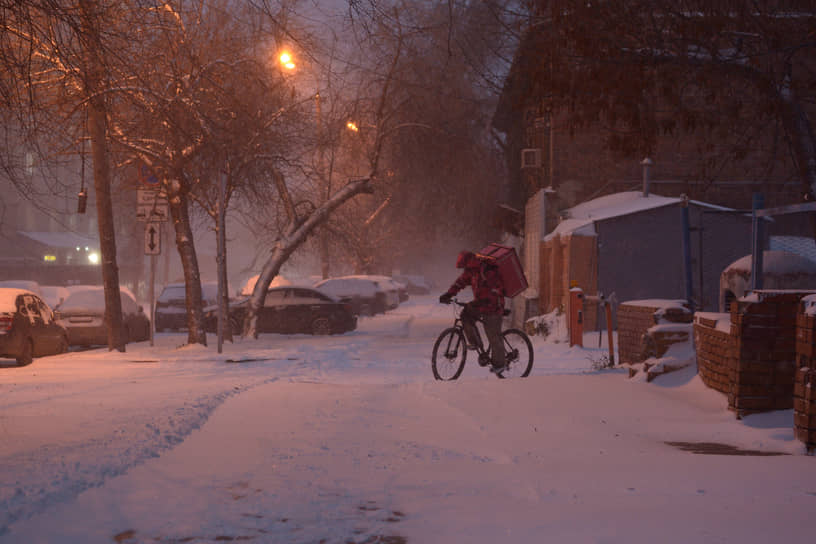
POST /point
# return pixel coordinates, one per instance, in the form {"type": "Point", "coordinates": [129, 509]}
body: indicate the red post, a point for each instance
{"type": "Point", "coordinates": [576, 317]}
{"type": "Point", "coordinates": [609, 333]}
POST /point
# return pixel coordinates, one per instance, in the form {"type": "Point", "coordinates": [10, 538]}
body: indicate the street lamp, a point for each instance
{"type": "Point", "coordinates": [286, 60]}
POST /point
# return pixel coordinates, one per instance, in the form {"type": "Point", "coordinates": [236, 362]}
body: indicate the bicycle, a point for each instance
{"type": "Point", "coordinates": [450, 351]}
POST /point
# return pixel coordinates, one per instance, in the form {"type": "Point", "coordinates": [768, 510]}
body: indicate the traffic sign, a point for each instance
{"type": "Point", "coordinates": [152, 238]}
{"type": "Point", "coordinates": [152, 212]}
{"type": "Point", "coordinates": [147, 177]}
{"type": "Point", "coordinates": [151, 205]}
{"type": "Point", "coordinates": [150, 196]}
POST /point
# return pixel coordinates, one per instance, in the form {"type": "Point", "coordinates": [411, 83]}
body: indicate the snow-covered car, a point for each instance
{"type": "Point", "coordinates": [171, 305]}
{"type": "Point", "coordinates": [82, 314]}
{"type": "Point", "coordinates": [365, 294]}
{"type": "Point", "coordinates": [27, 327]}
{"type": "Point", "coordinates": [290, 310]}
{"type": "Point", "coordinates": [416, 285]}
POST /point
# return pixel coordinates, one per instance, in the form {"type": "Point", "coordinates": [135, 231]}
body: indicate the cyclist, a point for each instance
{"type": "Point", "coordinates": [487, 303]}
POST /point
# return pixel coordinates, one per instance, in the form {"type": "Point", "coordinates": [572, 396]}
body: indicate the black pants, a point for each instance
{"type": "Point", "coordinates": [492, 326]}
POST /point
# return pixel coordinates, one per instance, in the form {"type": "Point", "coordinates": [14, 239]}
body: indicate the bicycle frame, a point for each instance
{"type": "Point", "coordinates": [483, 353]}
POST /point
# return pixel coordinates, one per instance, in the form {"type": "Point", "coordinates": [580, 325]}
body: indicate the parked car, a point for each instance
{"type": "Point", "coordinates": [171, 305]}
{"type": "Point", "coordinates": [291, 310]}
{"type": "Point", "coordinates": [416, 285]}
{"type": "Point", "coordinates": [367, 296]}
{"type": "Point", "coordinates": [82, 314]}
{"type": "Point", "coordinates": [27, 327]}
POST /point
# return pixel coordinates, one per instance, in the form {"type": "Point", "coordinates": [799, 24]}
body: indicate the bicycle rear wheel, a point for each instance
{"type": "Point", "coordinates": [449, 353]}
{"type": "Point", "coordinates": [519, 354]}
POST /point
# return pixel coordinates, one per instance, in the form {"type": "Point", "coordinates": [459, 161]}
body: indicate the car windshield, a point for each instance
{"type": "Point", "coordinates": [177, 293]}
{"type": "Point", "coordinates": [172, 292]}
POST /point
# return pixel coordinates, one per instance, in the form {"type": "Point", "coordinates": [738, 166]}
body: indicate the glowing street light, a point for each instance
{"type": "Point", "coordinates": [287, 61]}
{"type": "Point", "coordinates": [351, 125]}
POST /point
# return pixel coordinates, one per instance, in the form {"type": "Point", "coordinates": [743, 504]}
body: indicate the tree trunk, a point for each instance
{"type": "Point", "coordinates": [97, 129]}
{"type": "Point", "coordinates": [296, 233]}
{"type": "Point", "coordinates": [189, 263]}
{"type": "Point", "coordinates": [224, 328]}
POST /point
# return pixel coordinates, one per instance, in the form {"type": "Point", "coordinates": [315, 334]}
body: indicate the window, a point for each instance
{"type": "Point", "coordinates": [274, 298]}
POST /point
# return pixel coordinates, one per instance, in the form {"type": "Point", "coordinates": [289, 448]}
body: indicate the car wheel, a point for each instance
{"type": "Point", "coordinates": [26, 357]}
{"type": "Point", "coordinates": [321, 326]}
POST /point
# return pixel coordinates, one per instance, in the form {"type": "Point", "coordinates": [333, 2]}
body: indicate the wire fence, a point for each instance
{"type": "Point", "coordinates": [726, 245]}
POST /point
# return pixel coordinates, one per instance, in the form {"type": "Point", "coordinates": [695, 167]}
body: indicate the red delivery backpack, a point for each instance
{"type": "Point", "coordinates": [510, 270]}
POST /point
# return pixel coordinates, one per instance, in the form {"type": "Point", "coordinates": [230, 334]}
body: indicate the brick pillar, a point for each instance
{"type": "Point", "coordinates": [804, 387]}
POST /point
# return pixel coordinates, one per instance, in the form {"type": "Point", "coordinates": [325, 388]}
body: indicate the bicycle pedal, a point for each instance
{"type": "Point", "coordinates": [484, 360]}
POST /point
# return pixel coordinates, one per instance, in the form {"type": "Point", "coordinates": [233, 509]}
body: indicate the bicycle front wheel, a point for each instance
{"type": "Point", "coordinates": [519, 354]}
{"type": "Point", "coordinates": [449, 353]}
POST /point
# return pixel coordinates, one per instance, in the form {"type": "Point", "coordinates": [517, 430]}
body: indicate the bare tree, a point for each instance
{"type": "Point", "coordinates": [431, 134]}
{"type": "Point", "coordinates": [58, 60]}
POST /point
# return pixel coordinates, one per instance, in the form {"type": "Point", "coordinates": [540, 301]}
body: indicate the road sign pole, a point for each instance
{"type": "Point", "coordinates": [152, 297]}
{"type": "Point", "coordinates": [152, 247]}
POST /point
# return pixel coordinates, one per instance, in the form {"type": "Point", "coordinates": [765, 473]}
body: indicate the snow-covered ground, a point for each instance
{"type": "Point", "coordinates": [349, 439]}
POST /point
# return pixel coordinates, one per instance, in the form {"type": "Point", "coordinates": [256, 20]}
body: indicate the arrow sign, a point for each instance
{"type": "Point", "coordinates": [152, 239]}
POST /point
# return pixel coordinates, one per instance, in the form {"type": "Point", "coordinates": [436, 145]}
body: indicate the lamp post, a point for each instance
{"type": "Point", "coordinates": [287, 62]}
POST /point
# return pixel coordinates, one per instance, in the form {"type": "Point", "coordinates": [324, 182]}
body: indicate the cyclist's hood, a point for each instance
{"type": "Point", "coordinates": [466, 259]}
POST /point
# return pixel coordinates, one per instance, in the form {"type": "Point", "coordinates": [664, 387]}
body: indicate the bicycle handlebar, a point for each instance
{"type": "Point", "coordinates": [456, 301]}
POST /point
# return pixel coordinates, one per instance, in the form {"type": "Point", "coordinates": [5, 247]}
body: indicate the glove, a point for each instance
{"type": "Point", "coordinates": [445, 298]}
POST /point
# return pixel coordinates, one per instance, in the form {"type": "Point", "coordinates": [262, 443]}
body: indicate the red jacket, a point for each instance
{"type": "Point", "coordinates": [487, 285]}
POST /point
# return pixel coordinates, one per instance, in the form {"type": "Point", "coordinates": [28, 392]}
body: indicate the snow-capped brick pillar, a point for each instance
{"type": "Point", "coordinates": [717, 350]}
{"type": "Point", "coordinates": [804, 387]}
{"type": "Point", "coordinates": [752, 359]}
{"type": "Point", "coordinates": [640, 331]}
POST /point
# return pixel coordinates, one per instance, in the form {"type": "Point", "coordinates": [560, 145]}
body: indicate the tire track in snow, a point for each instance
{"type": "Point", "coordinates": [57, 472]}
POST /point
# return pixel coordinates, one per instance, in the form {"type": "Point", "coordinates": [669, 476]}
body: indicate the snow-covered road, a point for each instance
{"type": "Point", "coordinates": [349, 439]}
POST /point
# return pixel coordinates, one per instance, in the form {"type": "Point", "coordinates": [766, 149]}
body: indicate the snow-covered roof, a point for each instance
{"type": "Point", "coordinates": [61, 239]}
{"type": "Point", "coordinates": [581, 219]}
